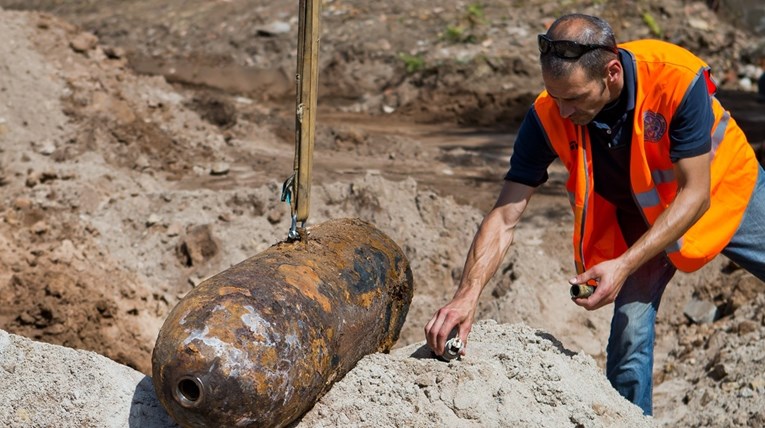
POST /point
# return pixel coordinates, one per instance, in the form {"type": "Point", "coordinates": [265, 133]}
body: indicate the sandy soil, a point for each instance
{"type": "Point", "coordinates": [123, 190]}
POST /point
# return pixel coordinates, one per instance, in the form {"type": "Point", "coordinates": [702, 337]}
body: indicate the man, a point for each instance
{"type": "Point", "coordinates": [660, 178]}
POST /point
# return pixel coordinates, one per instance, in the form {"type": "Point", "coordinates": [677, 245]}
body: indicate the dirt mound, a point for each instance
{"type": "Point", "coordinates": [514, 375]}
{"type": "Point", "coordinates": [52, 386]}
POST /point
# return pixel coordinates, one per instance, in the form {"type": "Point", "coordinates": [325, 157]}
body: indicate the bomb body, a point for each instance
{"type": "Point", "coordinates": [259, 343]}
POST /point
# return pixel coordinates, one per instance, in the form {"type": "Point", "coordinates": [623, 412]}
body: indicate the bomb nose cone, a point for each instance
{"type": "Point", "coordinates": [189, 392]}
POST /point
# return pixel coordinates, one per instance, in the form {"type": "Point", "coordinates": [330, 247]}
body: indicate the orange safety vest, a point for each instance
{"type": "Point", "coordinates": [664, 74]}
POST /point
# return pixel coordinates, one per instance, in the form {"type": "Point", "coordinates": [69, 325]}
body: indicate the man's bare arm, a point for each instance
{"type": "Point", "coordinates": [486, 253]}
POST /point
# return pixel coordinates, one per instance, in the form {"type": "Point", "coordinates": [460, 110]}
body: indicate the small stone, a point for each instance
{"type": "Point", "coordinates": [220, 168]}
{"type": "Point", "coordinates": [599, 409]}
{"type": "Point", "coordinates": [700, 311]}
{"type": "Point", "coordinates": [424, 380]}
{"type": "Point", "coordinates": [758, 384]}
{"type": "Point", "coordinates": [65, 253]}
{"type": "Point", "coordinates": [33, 179]}
{"type": "Point", "coordinates": [83, 42]}
{"type": "Point", "coordinates": [40, 227]}
{"type": "Point", "coordinates": [152, 220]}
{"type": "Point", "coordinates": [54, 329]}
{"type": "Point", "coordinates": [141, 162]}
{"type": "Point", "coordinates": [47, 148]}
{"type": "Point", "coordinates": [11, 218]}
{"type": "Point", "coordinates": [747, 326]}
{"type": "Point", "coordinates": [22, 203]}
{"type": "Point", "coordinates": [198, 246]}
{"type": "Point", "coordinates": [274, 216]}
{"type": "Point", "coordinates": [22, 415]}
{"type": "Point", "coordinates": [174, 229]}
{"type": "Point", "coordinates": [26, 319]}
{"type": "Point", "coordinates": [273, 29]}
{"type": "Point", "coordinates": [745, 393]}
{"type": "Point", "coordinates": [112, 52]}
{"type": "Point", "coordinates": [698, 24]}
{"type": "Point", "coordinates": [719, 371]}
{"type": "Point", "coordinates": [706, 398]}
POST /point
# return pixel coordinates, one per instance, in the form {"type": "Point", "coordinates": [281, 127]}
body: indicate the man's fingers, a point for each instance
{"type": "Point", "coordinates": [464, 331]}
{"type": "Point", "coordinates": [429, 326]}
{"type": "Point", "coordinates": [433, 331]}
{"type": "Point", "coordinates": [443, 334]}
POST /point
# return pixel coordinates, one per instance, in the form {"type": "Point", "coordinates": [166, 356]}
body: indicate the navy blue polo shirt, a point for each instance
{"type": "Point", "coordinates": [611, 136]}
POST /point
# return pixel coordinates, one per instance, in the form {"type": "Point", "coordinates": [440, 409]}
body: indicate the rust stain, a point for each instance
{"type": "Point", "coordinates": [260, 380]}
{"type": "Point", "coordinates": [306, 280]}
{"type": "Point", "coordinates": [366, 299]}
{"type": "Point", "coordinates": [269, 357]}
{"type": "Point", "coordinates": [319, 354]}
{"type": "Point", "coordinates": [233, 290]}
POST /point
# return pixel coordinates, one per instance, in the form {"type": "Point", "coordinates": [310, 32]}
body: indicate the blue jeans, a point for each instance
{"type": "Point", "coordinates": [629, 354]}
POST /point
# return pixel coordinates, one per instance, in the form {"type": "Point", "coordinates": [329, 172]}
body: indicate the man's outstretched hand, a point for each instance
{"type": "Point", "coordinates": [457, 313]}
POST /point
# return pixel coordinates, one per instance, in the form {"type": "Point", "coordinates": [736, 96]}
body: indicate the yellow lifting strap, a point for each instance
{"type": "Point", "coordinates": [297, 188]}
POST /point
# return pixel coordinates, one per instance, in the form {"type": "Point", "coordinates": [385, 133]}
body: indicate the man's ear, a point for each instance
{"type": "Point", "coordinates": [614, 71]}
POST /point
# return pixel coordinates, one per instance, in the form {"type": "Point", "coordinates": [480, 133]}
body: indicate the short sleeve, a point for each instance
{"type": "Point", "coordinates": [691, 127]}
{"type": "Point", "coordinates": [532, 155]}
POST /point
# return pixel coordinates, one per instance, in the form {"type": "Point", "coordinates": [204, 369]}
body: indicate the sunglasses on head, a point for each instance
{"type": "Point", "coordinates": [567, 49]}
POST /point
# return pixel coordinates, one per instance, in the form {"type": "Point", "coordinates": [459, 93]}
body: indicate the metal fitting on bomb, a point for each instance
{"type": "Point", "coordinates": [452, 349]}
{"type": "Point", "coordinates": [580, 291]}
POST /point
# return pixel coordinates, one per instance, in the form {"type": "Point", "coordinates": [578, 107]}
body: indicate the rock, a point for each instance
{"type": "Point", "coordinates": [113, 52]}
{"type": "Point", "coordinates": [275, 215]}
{"type": "Point", "coordinates": [698, 24]}
{"type": "Point", "coordinates": [758, 384]}
{"type": "Point", "coordinates": [65, 253]}
{"type": "Point", "coordinates": [273, 29]}
{"type": "Point", "coordinates": [40, 227]}
{"type": "Point", "coordinates": [22, 203]}
{"type": "Point", "coordinates": [174, 229]}
{"type": "Point", "coordinates": [719, 371]}
{"type": "Point", "coordinates": [700, 311]}
{"type": "Point", "coordinates": [47, 148]}
{"type": "Point", "coordinates": [220, 168]}
{"type": "Point", "coordinates": [83, 42]}
{"type": "Point", "coordinates": [33, 179]}
{"type": "Point", "coordinates": [745, 393]}
{"type": "Point", "coordinates": [153, 219]}
{"type": "Point", "coordinates": [747, 326]}
{"type": "Point", "coordinates": [198, 246]}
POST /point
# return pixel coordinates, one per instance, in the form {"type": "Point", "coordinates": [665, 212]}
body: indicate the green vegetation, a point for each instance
{"type": "Point", "coordinates": [412, 63]}
{"type": "Point", "coordinates": [475, 13]}
{"type": "Point", "coordinates": [652, 24]}
{"type": "Point", "coordinates": [458, 34]}
{"type": "Point", "coordinates": [465, 28]}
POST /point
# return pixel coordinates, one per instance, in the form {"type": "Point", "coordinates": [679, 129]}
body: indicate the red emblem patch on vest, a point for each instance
{"type": "Point", "coordinates": [654, 125]}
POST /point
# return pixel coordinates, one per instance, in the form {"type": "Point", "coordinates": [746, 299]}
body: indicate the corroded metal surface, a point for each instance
{"type": "Point", "coordinates": [581, 291]}
{"type": "Point", "coordinates": [259, 343]}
